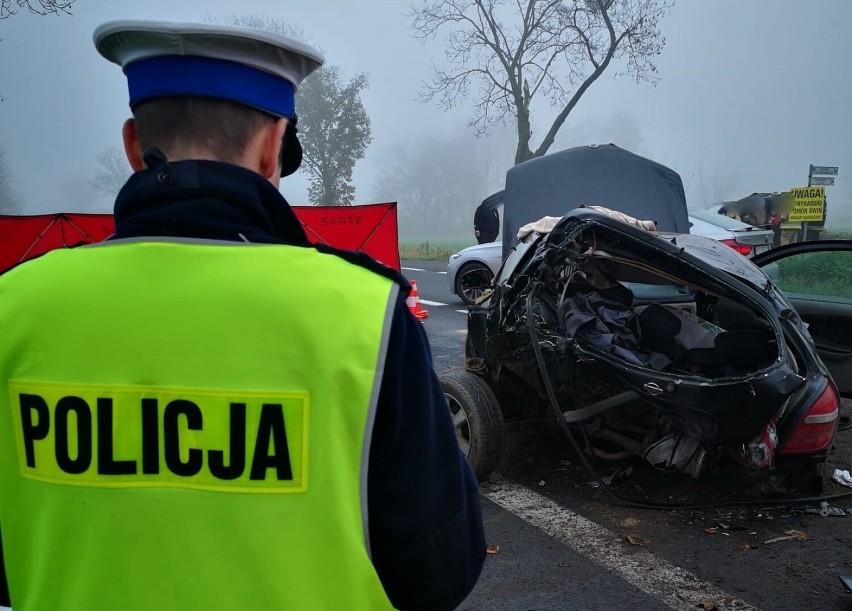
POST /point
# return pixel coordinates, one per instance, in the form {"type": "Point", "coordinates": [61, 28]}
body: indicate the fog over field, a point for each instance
{"type": "Point", "coordinates": [749, 94]}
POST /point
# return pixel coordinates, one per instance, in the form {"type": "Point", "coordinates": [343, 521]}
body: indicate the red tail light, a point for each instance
{"type": "Point", "coordinates": [743, 249]}
{"type": "Point", "coordinates": [816, 430]}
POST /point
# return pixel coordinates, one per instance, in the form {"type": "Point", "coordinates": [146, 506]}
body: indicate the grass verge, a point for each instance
{"type": "Point", "coordinates": [431, 249]}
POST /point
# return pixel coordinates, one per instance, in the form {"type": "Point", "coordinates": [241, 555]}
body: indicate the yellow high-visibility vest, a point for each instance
{"type": "Point", "coordinates": [185, 425]}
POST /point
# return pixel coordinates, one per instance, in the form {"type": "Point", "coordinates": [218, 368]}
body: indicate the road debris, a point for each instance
{"type": "Point", "coordinates": [826, 510]}
{"type": "Point", "coordinates": [492, 549]}
{"type": "Point", "coordinates": [708, 605]}
{"type": "Point", "coordinates": [619, 474]}
{"type": "Point", "coordinates": [844, 478]}
{"type": "Point", "coordinates": [788, 535]}
{"type": "Point", "coordinates": [633, 540]}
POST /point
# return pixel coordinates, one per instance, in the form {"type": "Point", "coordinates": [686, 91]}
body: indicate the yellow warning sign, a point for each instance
{"type": "Point", "coordinates": [808, 204]}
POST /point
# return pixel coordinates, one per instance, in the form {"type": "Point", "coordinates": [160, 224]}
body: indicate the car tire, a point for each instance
{"type": "Point", "coordinates": [477, 419]}
{"type": "Point", "coordinates": [472, 280]}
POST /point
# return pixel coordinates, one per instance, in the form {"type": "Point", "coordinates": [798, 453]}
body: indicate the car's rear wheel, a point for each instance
{"type": "Point", "coordinates": [477, 419]}
{"type": "Point", "coordinates": [472, 281]}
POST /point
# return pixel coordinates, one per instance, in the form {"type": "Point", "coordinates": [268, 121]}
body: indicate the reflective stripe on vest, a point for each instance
{"type": "Point", "coordinates": [187, 426]}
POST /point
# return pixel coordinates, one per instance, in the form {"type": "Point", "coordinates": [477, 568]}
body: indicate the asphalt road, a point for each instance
{"type": "Point", "coordinates": [564, 544]}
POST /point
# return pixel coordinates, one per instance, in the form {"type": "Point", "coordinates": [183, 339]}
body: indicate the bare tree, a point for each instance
{"type": "Point", "coordinates": [262, 22]}
{"type": "Point", "coordinates": [334, 126]}
{"type": "Point", "coordinates": [504, 53]}
{"type": "Point", "coordinates": [42, 7]}
{"type": "Point", "coordinates": [112, 173]}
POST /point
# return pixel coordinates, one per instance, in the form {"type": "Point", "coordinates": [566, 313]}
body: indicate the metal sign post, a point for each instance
{"type": "Point", "coordinates": [819, 175]}
{"type": "Point", "coordinates": [823, 170]}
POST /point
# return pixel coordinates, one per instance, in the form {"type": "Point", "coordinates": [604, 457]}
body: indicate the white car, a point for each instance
{"type": "Point", "coordinates": [742, 237]}
{"type": "Point", "coordinates": [470, 271]}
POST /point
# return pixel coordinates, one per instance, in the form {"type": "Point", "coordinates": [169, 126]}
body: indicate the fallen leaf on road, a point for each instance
{"type": "Point", "coordinates": [707, 605]}
{"type": "Point", "coordinates": [710, 531]}
{"type": "Point", "coordinates": [746, 547]}
{"type": "Point", "coordinates": [636, 540]}
{"type": "Point", "coordinates": [796, 534]}
{"type": "Point", "coordinates": [492, 549]}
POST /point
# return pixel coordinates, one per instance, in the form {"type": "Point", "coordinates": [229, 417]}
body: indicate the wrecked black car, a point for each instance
{"type": "Point", "coordinates": [665, 346]}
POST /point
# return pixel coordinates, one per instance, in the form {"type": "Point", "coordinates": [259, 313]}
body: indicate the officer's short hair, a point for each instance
{"type": "Point", "coordinates": [220, 127]}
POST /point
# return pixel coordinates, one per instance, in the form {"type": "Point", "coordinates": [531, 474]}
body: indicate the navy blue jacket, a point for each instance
{"type": "Point", "coordinates": [426, 534]}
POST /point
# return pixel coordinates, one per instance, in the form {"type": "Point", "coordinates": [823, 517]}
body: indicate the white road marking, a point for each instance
{"type": "Point", "coordinates": [670, 584]}
{"type": "Point", "coordinates": [408, 269]}
{"type": "Point", "coordinates": [432, 303]}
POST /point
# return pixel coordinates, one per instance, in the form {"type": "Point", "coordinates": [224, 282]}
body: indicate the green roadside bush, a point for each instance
{"type": "Point", "coordinates": [820, 273]}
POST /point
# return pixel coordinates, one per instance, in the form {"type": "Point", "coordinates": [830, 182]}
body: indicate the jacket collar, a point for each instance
{"type": "Point", "coordinates": [205, 199]}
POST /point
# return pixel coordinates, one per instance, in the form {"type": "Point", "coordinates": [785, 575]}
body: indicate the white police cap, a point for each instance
{"type": "Point", "coordinates": [252, 67]}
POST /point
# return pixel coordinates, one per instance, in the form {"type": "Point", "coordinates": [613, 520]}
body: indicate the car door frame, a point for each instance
{"type": "Point", "coordinates": [835, 360]}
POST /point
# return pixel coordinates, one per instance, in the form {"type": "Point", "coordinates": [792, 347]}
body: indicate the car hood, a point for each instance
{"type": "Point", "coordinates": [604, 175]}
{"type": "Point", "coordinates": [481, 251]}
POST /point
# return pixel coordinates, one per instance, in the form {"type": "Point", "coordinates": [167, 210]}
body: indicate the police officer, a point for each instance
{"type": "Point", "coordinates": [188, 418]}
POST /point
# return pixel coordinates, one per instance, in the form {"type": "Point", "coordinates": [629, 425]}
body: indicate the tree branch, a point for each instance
{"type": "Point", "coordinates": [44, 7]}
{"type": "Point", "coordinates": [599, 69]}
{"type": "Point", "coordinates": [556, 48]}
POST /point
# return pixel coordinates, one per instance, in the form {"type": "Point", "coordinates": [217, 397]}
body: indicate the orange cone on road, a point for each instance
{"type": "Point", "coordinates": [413, 302]}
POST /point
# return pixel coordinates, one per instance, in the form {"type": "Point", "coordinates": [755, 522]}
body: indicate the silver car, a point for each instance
{"type": "Point", "coordinates": [742, 237]}
{"type": "Point", "coordinates": [470, 271]}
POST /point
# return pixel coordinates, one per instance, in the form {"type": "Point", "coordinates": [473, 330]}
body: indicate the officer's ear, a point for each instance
{"type": "Point", "coordinates": [131, 145]}
{"type": "Point", "coordinates": [270, 150]}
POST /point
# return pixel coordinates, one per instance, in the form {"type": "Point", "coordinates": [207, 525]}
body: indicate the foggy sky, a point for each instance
{"type": "Point", "coordinates": [750, 93]}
